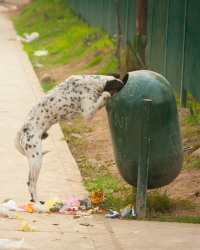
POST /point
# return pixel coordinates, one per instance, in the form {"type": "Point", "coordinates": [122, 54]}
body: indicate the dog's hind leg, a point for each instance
{"type": "Point", "coordinates": [35, 163]}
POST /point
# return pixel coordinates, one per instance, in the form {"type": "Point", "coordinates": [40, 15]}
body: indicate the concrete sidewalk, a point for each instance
{"type": "Point", "coordinates": [59, 176]}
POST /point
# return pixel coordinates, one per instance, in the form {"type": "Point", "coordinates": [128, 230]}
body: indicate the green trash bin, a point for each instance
{"type": "Point", "coordinates": [124, 111]}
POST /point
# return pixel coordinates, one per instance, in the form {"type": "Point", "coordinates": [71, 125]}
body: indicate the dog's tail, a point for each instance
{"type": "Point", "coordinates": [18, 144]}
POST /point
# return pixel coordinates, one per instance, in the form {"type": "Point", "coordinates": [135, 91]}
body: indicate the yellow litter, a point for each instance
{"type": "Point", "coordinates": [51, 202]}
{"type": "Point", "coordinates": [27, 227]}
{"type": "Point", "coordinates": [19, 216]}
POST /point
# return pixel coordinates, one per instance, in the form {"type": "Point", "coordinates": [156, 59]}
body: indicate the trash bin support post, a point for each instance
{"type": "Point", "coordinates": [143, 159]}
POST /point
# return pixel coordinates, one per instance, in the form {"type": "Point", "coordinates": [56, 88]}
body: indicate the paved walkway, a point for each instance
{"type": "Point", "coordinates": [19, 90]}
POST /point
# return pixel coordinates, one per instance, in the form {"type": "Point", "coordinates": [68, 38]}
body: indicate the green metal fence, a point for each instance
{"type": "Point", "coordinates": [173, 44]}
{"type": "Point", "coordinates": [102, 13]}
{"type": "Point", "coordinates": [173, 35]}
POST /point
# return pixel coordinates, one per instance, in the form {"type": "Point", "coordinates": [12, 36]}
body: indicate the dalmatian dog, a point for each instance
{"type": "Point", "coordinates": [78, 94]}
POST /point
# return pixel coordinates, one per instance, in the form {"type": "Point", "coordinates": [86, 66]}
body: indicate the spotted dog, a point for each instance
{"type": "Point", "coordinates": [84, 94]}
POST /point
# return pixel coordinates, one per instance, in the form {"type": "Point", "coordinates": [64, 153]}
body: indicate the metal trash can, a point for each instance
{"type": "Point", "coordinates": [124, 111]}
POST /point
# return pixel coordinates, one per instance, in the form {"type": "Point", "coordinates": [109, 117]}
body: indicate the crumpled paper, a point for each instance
{"type": "Point", "coordinates": [27, 227]}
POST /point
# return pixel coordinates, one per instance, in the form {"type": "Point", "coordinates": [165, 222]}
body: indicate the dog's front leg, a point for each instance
{"type": "Point", "coordinates": [90, 109]}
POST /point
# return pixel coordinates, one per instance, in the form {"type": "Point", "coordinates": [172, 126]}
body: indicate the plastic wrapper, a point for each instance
{"type": "Point", "coordinates": [112, 214]}
{"type": "Point", "coordinates": [97, 196]}
{"type": "Point", "coordinates": [27, 227]}
{"type": "Point", "coordinates": [85, 203]}
{"type": "Point", "coordinates": [42, 52]}
{"type": "Point", "coordinates": [51, 202]}
{"type": "Point", "coordinates": [128, 211]}
{"type": "Point", "coordinates": [40, 208]}
{"type": "Point", "coordinates": [12, 245]}
{"type": "Point", "coordinates": [60, 207]}
{"type": "Point", "coordinates": [19, 216]}
{"type": "Point", "coordinates": [29, 207]}
{"type": "Point", "coordinates": [72, 201]}
{"type": "Point", "coordinates": [4, 212]}
{"type": "Point", "coordinates": [11, 205]}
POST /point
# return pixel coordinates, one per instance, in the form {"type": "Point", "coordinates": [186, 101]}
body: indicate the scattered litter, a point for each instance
{"type": "Point", "coordinates": [98, 196]}
{"type": "Point", "coordinates": [85, 203]}
{"type": "Point", "coordinates": [81, 213]}
{"type": "Point", "coordinates": [76, 135]}
{"type": "Point", "coordinates": [86, 224]}
{"type": "Point", "coordinates": [27, 227]}
{"type": "Point", "coordinates": [6, 200]}
{"type": "Point", "coordinates": [11, 205]}
{"type": "Point", "coordinates": [71, 205]}
{"type": "Point", "coordinates": [72, 201]}
{"type": "Point", "coordinates": [88, 216]}
{"type": "Point", "coordinates": [76, 217]}
{"type": "Point", "coordinates": [59, 207]}
{"type": "Point", "coordinates": [112, 214]}
{"type": "Point", "coordinates": [29, 207]}
{"type": "Point", "coordinates": [31, 37]}
{"type": "Point", "coordinates": [4, 212]}
{"type": "Point", "coordinates": [136, 232]}
{"type": "Point", "coordinates": [8, 244]}
{"type": "Point", "coordinates": [76, 229]}
{"type": "Point", "coordinates": [40, 208]}
{"type": "Point", "coordinates": [55, 224]}
{"type": "Point", "coordinates": [18, 38]}
{"type": "Point", "coordinates": [39, 65]}
{"type": "Point", "coordinates": [99, 208]}
{"type": "Point", "coordinates": [42, 52]}
{"type": "Point", "coordinates": [19, 216]}
{"type": "Point", "coordinates": [27, 37]}
{"type": "Point", "coordinates": [187, 148]}
{"type": "Point", "coordinates": [128, 211]}
{"type": "Point", "coordinates": [51, 202]}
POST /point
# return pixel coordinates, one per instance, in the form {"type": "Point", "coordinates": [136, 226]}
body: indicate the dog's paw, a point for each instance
{"type": "Point", "coordinates": [106, 95]}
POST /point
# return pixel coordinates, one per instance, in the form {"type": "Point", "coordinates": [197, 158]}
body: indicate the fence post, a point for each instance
{"type": "Point", "coordinates": [143, 159]}
{"type": "Point", "coordinates": [183, 94]}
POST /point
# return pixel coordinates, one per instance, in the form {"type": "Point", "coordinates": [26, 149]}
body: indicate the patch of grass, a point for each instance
{"type": "Point", "coordinates": [193, 116]}
{"type": "Point", "coordinates": [191, 119]}
{"type": "Point", "coordinates": [61, 33]}
{"type": "Point", "coordinates": [194, 130]}
{"type": "Point", "coordinates": [78, 129]}
{"type": "Point", "coordinates": [175, 218]}
{"type": "Point", "coordinates": [73, 140]}
{"type": "Point", "coordinates": [93, 62]}
{"type": "Point", "coordinates": [193, 164]}
{"type": "Point", "coordinates": [159, 204]}
{"type": "Point", "coordinates": [47, 86]}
